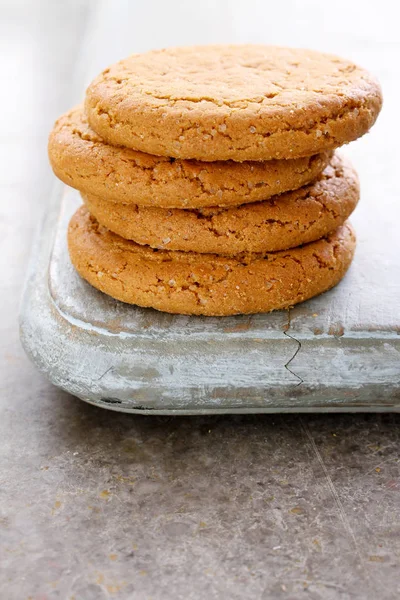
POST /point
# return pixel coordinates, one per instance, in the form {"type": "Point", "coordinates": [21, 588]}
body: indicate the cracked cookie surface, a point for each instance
{"type": "Point", "coordinates": [206, 284]}
{"type": "Point", "coordinates": [282, 222]}
{"type": "Point", "coordinates": [244, 102]}
{"type": "Point", "coordinates": [81, 159]}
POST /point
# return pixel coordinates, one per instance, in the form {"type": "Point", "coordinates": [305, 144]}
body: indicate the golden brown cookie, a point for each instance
{"type": "Point", "coordinates": [80, 158]}
{"type": "Point", "coordinates": [279, 223]}
{"type": "Point", "coordinates": [248, 102]}
{"type": "Point", "coordinates": [206, 284]}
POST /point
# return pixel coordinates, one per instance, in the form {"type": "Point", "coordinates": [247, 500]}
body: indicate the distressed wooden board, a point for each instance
{"type": "Point", "coordinates": [340, 351]}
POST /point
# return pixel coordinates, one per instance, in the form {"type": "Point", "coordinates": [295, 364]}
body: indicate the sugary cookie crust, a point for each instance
{"type": "Point", "coordinates": [279, 223]}
{"type": "Point", "coordinates": [224, 102]}
{"type": "Point", "coordinates": [81, 159]}
{"type": "Point", "coordinates": [206, 284]}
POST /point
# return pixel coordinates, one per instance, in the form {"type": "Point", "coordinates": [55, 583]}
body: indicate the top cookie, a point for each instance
{"type": "Point", "coordinates": [224, 102]}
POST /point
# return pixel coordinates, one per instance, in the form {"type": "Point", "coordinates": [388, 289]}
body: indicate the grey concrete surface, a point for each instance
{"type": "Point", "coordinates": [97, 505]}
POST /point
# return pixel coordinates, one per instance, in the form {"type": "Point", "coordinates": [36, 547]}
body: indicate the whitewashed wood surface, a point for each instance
{"type": "Point", "coordinates": [333, 352]}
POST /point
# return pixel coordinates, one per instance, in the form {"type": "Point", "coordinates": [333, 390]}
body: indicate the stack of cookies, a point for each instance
{"type": "Point", "coordinates": [209, 178]}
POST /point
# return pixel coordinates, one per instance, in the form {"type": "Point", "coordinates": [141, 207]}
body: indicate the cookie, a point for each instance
{"type": "Point", "coordinates": [226, 102]}
{"type": "Point", "coordinates": [281, 222]}
{"type": "Point", "coordinates": [80, 158]}
{"type": "Point", "coordinates": [206, 284]}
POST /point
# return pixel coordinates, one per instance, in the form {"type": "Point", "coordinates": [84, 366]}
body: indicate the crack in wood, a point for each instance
{"type": "Point", "coordinates": [287, 367]}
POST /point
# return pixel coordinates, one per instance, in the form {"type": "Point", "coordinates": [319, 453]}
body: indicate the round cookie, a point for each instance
{"type": "Point", "coordinates": [206, 284]}
{"type": "Point", "coordinates": [282, 222]}
{"type": "Point", "coordinates": [244, 102]}
{"type": "Point", "coordinates": [81, 159]}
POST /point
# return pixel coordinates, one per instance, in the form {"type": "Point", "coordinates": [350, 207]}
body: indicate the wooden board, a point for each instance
{"type": "Point", "coordinates": [340, 351]}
